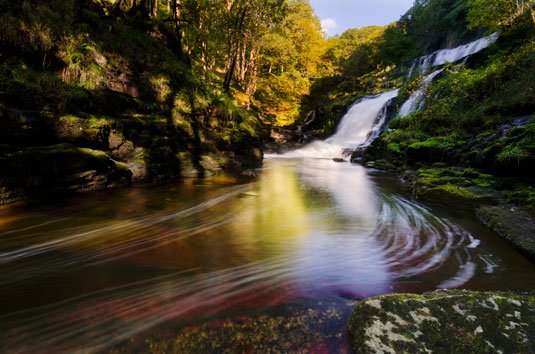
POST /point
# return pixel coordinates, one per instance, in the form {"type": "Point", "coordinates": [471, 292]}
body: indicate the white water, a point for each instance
{"type": "Point", "coordinates": [416, 100]}
{"type": "Point", "coordinates": [361, 124]}
{"type": "Point", "coordinates": [366, 117]}
{"type": "Point", "coordinates": [443, 56]}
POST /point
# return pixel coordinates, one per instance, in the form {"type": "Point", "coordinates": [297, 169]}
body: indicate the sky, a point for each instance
{"type": "Point", "coordinates": [338, 15]}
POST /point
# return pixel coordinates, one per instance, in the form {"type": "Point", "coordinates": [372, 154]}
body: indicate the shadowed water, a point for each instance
{"type": "Point", "coordinates": [87, 273]}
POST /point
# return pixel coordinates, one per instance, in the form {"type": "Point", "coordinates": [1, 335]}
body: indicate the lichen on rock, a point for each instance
{"type": "Point", "coordinates": [452, 321]}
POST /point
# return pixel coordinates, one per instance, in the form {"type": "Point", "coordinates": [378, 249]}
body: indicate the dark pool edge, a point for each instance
{"type": "Point", "coordinates": [512, 224]}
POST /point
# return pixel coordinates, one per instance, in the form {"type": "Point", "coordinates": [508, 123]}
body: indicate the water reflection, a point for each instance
{"type": "Point", "coordinates": [87, 272]}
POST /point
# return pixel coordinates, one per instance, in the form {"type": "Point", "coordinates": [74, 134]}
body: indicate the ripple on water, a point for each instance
{"type": "Point", "coordinates": [83, 278]}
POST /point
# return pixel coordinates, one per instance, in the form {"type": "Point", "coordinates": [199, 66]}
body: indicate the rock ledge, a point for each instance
{"type": "Point", "coordinates": [445, 322]}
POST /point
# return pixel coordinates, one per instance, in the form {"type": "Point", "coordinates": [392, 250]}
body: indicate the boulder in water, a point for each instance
{"type": "Point", "coordinates": [514, 225]}
{"type": "Point", "coordinates": [338, 159]}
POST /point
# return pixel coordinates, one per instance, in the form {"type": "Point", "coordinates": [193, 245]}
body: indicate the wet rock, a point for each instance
{"type": "Point", "coordinates": [120, 148]}
{"type": "Point", "coordinates": [455, 196]}
{"type": "Point", "coordinates": [85, 132]}
{"type": "Point", "coordinates": [445, 322]}
{"type": "Point", "coordinates": [206, 165]}
{"type": "Point", "coordinates": [381, 164]}
{"type": "Point", "coordinates": [138, 166]}
{"type": "Point", "coordinates": [291, 329]}
{"type": "Point", "coordinates": [514, 225]}
{"type": "Point", "coordinates": [22, 117]}
{"type": "Point", "coordinates": [464, 188]}
{"type": "Point", "coordinates": [31, 173]}
{"type": "Point", "coordinates": [337, 159]}
{"type": "Point", "coordinates": [250, 157]}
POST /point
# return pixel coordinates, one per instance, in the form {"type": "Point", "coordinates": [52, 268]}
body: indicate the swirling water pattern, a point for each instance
{"type": "Point", "coordinates": [87, 274]}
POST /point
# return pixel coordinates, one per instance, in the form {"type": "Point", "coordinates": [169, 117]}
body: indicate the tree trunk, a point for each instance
{"type": "Point", "coordinates": [175, 9]}
{"type": "Point", "coordinates": [234, 47]}
{"type": "Point", "coordinates": [230, 74]}
{"type": "Point", "coordinates": [80, 4]}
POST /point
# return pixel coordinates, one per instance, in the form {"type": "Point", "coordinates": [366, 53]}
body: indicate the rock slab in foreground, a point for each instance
{"type": "Point", "coordinates": [445, 322]}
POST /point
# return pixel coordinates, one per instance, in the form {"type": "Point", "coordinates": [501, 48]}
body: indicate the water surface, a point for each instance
{"type": "Point", "coordinates": [277, 262]}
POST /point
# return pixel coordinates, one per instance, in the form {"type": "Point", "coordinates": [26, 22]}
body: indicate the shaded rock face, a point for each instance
{"type": "Point", "coordinates": [42, 155]}
{"type": "Point", "coordinates": [445, 322]}
{"type": "Point", "coordinates": [33, 173]}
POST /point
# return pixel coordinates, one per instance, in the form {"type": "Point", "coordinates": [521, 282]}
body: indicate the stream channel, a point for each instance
{"type": "Point", "coordinates": [272, 262]}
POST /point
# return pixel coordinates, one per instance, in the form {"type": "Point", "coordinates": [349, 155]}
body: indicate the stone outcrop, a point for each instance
{"type": "Point", "coordinates": [513, 224]}
{"type": "Point", "coordinates": [37, 172]}
{"type": "Point", "coordinates": [445, 322]}
{"type": "Point", "coordinates": [43, 155]}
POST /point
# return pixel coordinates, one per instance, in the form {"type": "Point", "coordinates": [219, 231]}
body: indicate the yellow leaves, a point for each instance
{"type": "Point", "coordinates": [160, 85]}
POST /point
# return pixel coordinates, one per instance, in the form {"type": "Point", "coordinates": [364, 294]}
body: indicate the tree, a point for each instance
{"type": "Point", "coordinates": [246, 22]}
{"type": "Point", "coordinates": [499, 14]}
{"type": "Point", "coordinates": [290, 56]}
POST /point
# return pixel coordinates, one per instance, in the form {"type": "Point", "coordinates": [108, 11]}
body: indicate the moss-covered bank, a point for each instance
{"type": "Point", "coordinates": [445, 322]}
{"type": "Point", "coordinates": [84, 153]}
{"type": "Point", "coordinates": [78, 75]}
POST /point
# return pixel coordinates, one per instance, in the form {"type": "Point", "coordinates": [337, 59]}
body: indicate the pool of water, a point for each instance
{"type": "Point", "coordinates": [240, 264]}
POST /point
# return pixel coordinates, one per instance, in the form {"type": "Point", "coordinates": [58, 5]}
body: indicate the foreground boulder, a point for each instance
{"type": "Point", "coordinates": [445, 322]}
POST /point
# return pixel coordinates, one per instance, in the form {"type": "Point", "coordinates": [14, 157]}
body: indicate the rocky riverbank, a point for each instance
{"type": "Point", "coordinates": [44, 155]}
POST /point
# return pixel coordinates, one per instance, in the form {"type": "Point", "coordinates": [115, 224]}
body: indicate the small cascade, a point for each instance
{"type": "Point", "coordinates": [366, 118]}
{"type": "Point", "coordinates": [416, 100]}
{"type": "Point", "coordinates": [423, 64]}
{"type": "Point", "coordinates": [360, 125]}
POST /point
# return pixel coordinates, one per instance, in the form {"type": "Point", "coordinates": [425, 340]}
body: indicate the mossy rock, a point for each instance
{"type": "Point", "coordinates": [445, 322]}
{"type": "Point", "coordinates": [466, 188]}
{"type": "Point", "coordinates": [283, 329]}
{"type": "Point", "coordinates": [57, 169]}
{"type": "Point", "coordinates": [512, 224]}
{"type": "Point", "coordinates": [433, 149]}
{"type": "Point", "coordinates": [453, 195]}
{"type": "Point", "coordinates": [87, 132]}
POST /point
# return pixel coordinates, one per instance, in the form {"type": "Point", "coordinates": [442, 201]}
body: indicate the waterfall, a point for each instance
{"type": "Point", "coordinates": [360, 125]}
{"type": "Point", "coordinates": [443, 56]}
{"type": "Point", "coordinates": [366, 118]}
{"type": "Point", "coordinates": [416, 100]}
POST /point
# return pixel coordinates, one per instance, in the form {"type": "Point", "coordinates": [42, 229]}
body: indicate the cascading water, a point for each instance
{"type": "Point", "coordinates": [416, 100]}
{"type": "Point", "coordinates": [423, 64]}
{"type": "Point", "coordinates": [366, 117]}
{"type": "Point", "coordinates": [361, 124]}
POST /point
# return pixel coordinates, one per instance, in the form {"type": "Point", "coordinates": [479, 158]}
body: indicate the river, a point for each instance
{"type": "Point", "coordinates": [276, 260]}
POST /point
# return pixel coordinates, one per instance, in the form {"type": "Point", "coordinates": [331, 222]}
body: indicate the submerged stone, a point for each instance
{"type": "Point", "coordinates": [514, 225]}
{"type": "Point", "coordinates": [453, 321]}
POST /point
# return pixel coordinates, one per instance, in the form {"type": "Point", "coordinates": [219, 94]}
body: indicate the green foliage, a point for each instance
{"type": "Point", "coordinates": [429, 25]}
{"type": "Point", "coordinates": [500, 14]}
{"type": "Point", "coordinates": [290, 58]}
{"type": "Point", "coordinates": [373, 59]}
{"type": "Point", "coordinates": [354, 50]}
